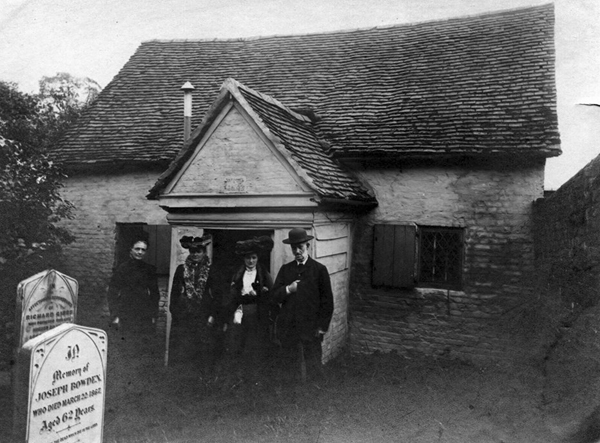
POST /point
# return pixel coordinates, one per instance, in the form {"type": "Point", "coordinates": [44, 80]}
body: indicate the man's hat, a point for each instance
{"type": "Point", "coordinates": [254, 245]}
{"type": "Point", "coordinates": [189, 242]}
{"type": "Point", "coordinates": [297, 235]}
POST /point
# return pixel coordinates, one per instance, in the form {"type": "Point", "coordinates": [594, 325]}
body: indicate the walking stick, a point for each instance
{"type": "Point", "coordinates": [302, 362]}
{"type": "Point", "coordinates": [167, 339]}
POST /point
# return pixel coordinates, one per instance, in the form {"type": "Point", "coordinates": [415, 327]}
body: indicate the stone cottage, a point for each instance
{"type": "Point", "coordinates": [413, 154]}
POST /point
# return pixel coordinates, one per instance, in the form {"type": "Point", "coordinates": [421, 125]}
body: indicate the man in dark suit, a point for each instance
{"type": "Point", "coordinates": [303, 292]}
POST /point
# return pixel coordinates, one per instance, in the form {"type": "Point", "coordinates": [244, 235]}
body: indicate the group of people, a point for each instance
{"type": "Point", "coordinates": [279, 322]}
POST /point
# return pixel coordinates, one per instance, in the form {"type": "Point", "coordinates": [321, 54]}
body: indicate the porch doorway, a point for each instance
{"type": "Point", "coordinates": [224, 260]}
{"type": "Point", "coordinates": [224, 263]}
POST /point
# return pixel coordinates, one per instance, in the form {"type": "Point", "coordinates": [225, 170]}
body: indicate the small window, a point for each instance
{"type": "Point", "coordinates": [440, 257]}
{"type": "Point", "coordinates": [405, 256]}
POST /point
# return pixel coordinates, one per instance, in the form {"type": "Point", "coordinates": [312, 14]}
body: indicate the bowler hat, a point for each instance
{"type": "Point", "coordinates": [297, 235]}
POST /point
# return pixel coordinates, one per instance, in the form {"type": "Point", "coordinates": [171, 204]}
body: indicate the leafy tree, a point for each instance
{"type": "Point", "coordinates": [30, 182]}
{"type": "Point", "coordinates": [62, 98]}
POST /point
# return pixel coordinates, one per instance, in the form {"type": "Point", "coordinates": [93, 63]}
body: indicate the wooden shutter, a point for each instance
{"type": "Point", "coordinates": [394, 256]}
{"type": "Point", "coordinates": [159, 249]}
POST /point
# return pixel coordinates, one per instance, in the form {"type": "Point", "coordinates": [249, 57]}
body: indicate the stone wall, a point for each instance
{"type": "Point", "coordinates": [567, 240]}
{"type": "Point", "coordinates": [567, 245]}
{"type": "Point", "coordinates": [493, 203]}
{"type": "Point", "coordinates": [102, 200]}
{"type": "Point", "coordinates": [105, 199]}
{"type": "Point", "coordinates": [494, 206]}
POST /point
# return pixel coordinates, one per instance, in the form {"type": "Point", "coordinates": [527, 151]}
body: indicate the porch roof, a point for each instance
{"type": "Point", "coordinates": [292, 134]}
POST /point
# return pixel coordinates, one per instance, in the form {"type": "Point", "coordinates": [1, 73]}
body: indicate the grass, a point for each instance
{"type": "Point", "coordinates": [376, 399]}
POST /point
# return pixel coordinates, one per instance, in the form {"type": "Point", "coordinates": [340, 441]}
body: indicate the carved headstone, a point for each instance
{"type": "Point", "coordinates": [60, 386]}
{"type": "Point", "coordinates": [44, 301]}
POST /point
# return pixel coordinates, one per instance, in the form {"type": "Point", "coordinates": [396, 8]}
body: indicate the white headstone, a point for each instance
{"type": "Point", "coordinates": [44, 301]}
{"type": "Point", "coordinates": [60, 386]}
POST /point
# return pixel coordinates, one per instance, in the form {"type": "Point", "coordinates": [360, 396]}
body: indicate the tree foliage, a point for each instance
{"type": "Point", "coordinates": [30, 182]}
{"type": "Point", "coordinates": [62, 99]}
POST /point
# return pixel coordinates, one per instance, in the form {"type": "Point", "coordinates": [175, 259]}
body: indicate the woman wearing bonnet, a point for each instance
{"type": "Point", "coordinates": [193, 306]}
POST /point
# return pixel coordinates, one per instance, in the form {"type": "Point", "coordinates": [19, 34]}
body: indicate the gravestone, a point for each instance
{"type": "Point", "coordinates": [60, 386]}
{"type": "Point", "coordinates": [44, 301]}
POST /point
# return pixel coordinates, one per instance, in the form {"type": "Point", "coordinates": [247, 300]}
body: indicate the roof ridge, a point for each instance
{"type": "Point", "coordinates": [453, 87]}
{"type": "Point", "coordinates": [268, 98]}
{"type": "Point", "coordinates": [499, 12]}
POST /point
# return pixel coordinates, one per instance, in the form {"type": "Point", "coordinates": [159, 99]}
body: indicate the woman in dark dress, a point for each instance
{"type": "Point", "coordinates": [133, 293]}
{"type": "Point", "coordinates": [193, 307]}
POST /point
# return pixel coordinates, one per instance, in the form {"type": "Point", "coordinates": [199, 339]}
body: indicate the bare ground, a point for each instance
{"type": "Point", "coordinates": [381, 398]}
{"type": "Point", "coordinates": [375, 398]}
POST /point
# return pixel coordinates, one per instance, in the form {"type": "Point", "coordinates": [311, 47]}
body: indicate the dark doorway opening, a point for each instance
{"type": "Point", "coordinates": [127, 233]}
{"type": "Point", "coordinates": [159, 244]}
{"type": "Point", "coordinates": [159, 247]}
{"type": "Point", "coordinates": [225, 261]}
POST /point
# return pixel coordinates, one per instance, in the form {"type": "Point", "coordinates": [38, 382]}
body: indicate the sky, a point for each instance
{"type": "Point", "coordinates": [95, 38]}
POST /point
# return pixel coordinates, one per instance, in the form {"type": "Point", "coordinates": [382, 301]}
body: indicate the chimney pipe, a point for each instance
{"type": "Point", "coordinates": [187, 89]}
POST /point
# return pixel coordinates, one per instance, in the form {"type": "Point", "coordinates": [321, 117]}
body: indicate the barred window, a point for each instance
{"type": "Point", "coordinates": [408, 255]}
{"type": "Point", "coordinates": [440, 257]}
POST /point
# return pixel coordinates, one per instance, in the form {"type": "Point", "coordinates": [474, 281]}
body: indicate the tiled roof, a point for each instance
{"type": "Point", "coordinates": [294, 135]}
{"type": "Point", "coordinates": [472, 85]}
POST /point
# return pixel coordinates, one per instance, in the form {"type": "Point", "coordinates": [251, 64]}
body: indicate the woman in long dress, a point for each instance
{"type": "Point", "coordinates": [193, 307]}
{"type": "Point", "coordinates": [248, 306]}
